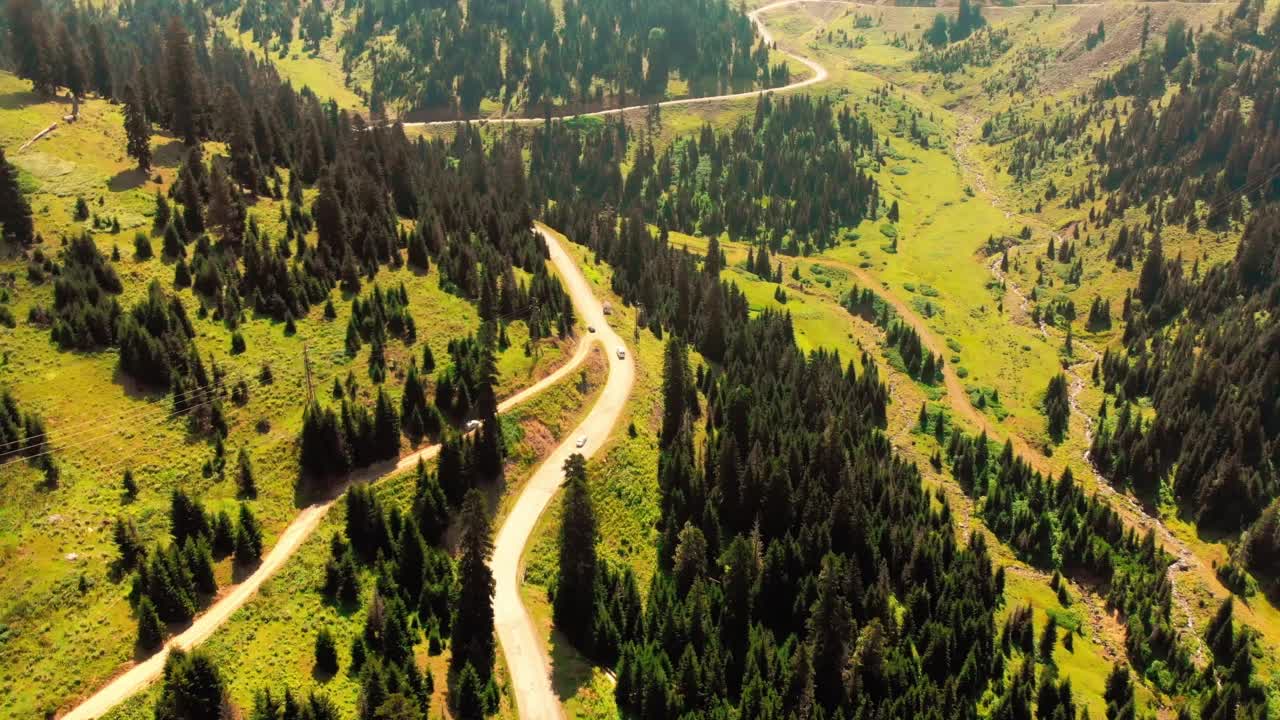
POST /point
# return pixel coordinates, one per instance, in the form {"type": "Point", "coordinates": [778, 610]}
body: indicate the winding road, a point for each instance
{"type": "Point", "coordinates": [527, 662]}
{"type": "Point", "coordinates": [526, 659]}
{"type": "Point", "coordinates": [514, 626]}
{"type": "Point", "coordinates": [819, 75]}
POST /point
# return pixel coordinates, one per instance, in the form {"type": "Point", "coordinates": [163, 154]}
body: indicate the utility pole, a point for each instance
{"type": "Point", "coordinates": [306, 363]}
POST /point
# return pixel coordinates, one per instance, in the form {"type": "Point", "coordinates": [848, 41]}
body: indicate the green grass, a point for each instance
{"type": "Point", "coordinates": [270, 642]}
{"type": "Point", "coordinates": [1085, 665]}
{"type": "Point", "coordinates": [66, 621]}
{"type": "Point", "coordinates": [321, 71]}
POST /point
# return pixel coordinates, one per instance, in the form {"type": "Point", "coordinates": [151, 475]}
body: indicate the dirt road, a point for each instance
{"type": "Point", "coordinates": [139, 676]}
{"type": "Point", "coordinates": [819, 75]}
{"type": "Point", "coordinates": [526, 661]}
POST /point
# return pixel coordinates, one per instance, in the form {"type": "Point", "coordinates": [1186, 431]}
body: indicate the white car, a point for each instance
{"type": "Point", "coordinates": [472, 425]}
{"type": "Point", "coordinates": [622, 354]}
{"type": "Point", "coordinates": [582, 441]}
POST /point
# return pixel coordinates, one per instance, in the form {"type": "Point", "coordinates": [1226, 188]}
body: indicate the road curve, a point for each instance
{"type": "Point", "coordinates": [527, 662]}
{"type": "Point", "coordinates": [139, 676]}
{"type": "Point", "coordinates": [819, 75]}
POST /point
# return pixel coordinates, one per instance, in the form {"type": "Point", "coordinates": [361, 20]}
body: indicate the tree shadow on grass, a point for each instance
{"type": "Point", "coordinates": [169, 154]}
{"type": "Point", "coordinates": [135, 390]}
{"type": "Point", "coordinates": [321, 676]}
{"type": "Point", "coordinates": [570, 671]}
{"type": "Point", "coordinates": [241, 571]}
{"type": "Point", "coordinates": [130, 179]}
{"type": "Point", "coordinates": [25, 98]}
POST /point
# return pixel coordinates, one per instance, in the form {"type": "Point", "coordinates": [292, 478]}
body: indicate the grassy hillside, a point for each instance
{"type": "Point", "coordinates": [63, 607]}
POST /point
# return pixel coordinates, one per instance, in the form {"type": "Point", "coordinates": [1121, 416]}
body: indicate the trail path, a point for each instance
{"type": "Point", "coordinates": [1129, 509]}
{"type": "Point", "coordinates": [819, 75]}
{"type": "Point", "coordinates": [526, 660]}
{"type": "Point", "coordinates": [521, 644]}
{"type": "Point", "coordinates": [139, 676]}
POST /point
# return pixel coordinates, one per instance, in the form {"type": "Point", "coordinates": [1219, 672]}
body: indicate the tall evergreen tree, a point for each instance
{"type": "Point", "coordinates": [15, 211]}
{"type": "Point", "coordinates": [137, 128]}
{"type": "Point", "coordinates": [183, 93]}
{"type": "Point", "coordinates": [245, 482]}
{"type": "Point", "coordinates": [473, 641]}
{"type": "Point", "coordinates": [574, 604]}
{"type": "Point", "coordinates": [248, 538]}
{"type": "Point", "coordinates": [386, 427]}
{"type": "Point", "coordinates": [675, 388]}
{"type": "Point", "coordinates": [150, 628]}
{"type": "Point", "coordinates": [192, 689]}
{"type": "Point", "coordinates": [31, 45]}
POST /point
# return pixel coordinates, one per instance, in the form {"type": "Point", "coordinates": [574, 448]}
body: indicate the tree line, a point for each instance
{"type": "Point", "coordinates": [1197, 350]}
{"type": "Point", "coordinates": [793, 175]}
{"type": "Point", "coordinates": [448, 56]}
{"type": "Point", "coordinates": [784, 537]}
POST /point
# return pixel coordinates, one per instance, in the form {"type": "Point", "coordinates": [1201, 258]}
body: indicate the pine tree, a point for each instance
{"type": "Point", "coordinates": [224, 534]}
{"type": "Point", "coordinates": [15, 211]}
{"type": "Point", "coordinates": [829, 628]}
{"type": "Point", "coordinates": [31, 46]}
{"type": "Point", "coordinates": [248, 538]}
{"type": "Point", "coordinates": [150, 628]}
{"type": "Point", "coordinates": [245, 481]}
{"type": "Point", "coordinates": [193, 688]}
{"type": "Point", "coordinates": [138, 130]}
{"type": "Point", "coordinates": [470, 702]}
{"type": "Point", "coordinates": [386, 427]}
{"type": "Point", "coordinates": [411, 559]}
{"type": "Point", "coordinates": [574, 603]}
{"type": "Point", "coordinates": [197, 556]}
{"type": "Point", "coordinates": [430, 507]}
{"type": "Point", "coordinates": [1151, 278]}
{"type": "Point", "coordinates": [473, 641]}
{"type": "Point", "coordinates": [183, 94]}
{"type": "Point", "coordinates": [712, 264]}
{"type": "Point", "coordinates": [419, 258]}
{"type": "Point", "coordinates": [130, 485]}
{"type": "Point", "coordinates": [163, 213]}
{"type": "Point", "coordinates": [100, 64]}
{"type": "Point", "coordinates": [326, 652]}
{"type": "Point", "coordinates": [1057, 407]}
{"type": "Point", "coordinates": [128, 543]}
{"type": "Point", "coordinates": [1048, 640]}
{"type": "Point", "coordinates": [71, 64]}
{"type": "Point", "coordinates": [187, 517]}
{"type": "Point", "coordinates": [1119, 694]}
{"type": "Point", "coordinates": [675, 389]}
{"type": "Point", "coordinates": [241, 146]}
{"type": "Point", "coordinates": [225, 212]}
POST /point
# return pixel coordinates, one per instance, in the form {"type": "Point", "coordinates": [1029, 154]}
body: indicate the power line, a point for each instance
{"type": "Point", "coordinates": [150, 414]}
{"type": "Point", "coordinates": [127, 414]}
